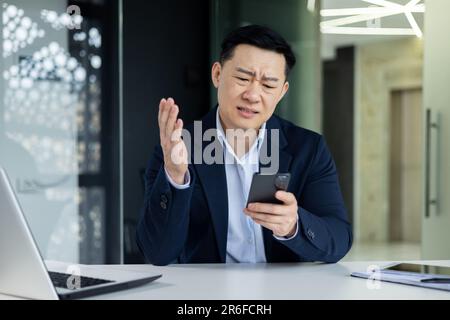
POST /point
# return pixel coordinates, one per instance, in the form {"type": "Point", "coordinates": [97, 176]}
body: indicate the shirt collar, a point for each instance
{"type": "Point", "coordinates": [222, 138]}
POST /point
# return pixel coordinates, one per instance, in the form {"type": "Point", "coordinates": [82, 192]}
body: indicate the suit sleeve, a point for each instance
{"type": "Point", "coordinates": [324, 232]}
{"type": "Point", "coordinates": [164, 220]}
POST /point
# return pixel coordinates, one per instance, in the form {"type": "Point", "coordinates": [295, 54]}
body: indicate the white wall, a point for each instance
{"type": "Point", "coordinates": [380, 68]}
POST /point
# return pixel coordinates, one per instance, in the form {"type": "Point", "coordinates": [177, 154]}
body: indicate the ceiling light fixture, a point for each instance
{"type": "Point", "coordinates": [379, 9]}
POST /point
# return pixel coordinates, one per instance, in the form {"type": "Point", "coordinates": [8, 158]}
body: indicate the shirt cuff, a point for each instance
{"type": "Point", "coordinates": [290, 238]}
{"type": "Point", "coordinates": [185, 185]}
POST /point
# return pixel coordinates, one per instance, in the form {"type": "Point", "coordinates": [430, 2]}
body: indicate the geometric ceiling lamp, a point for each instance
{"type": "Point", "coordinates": [343, 18]}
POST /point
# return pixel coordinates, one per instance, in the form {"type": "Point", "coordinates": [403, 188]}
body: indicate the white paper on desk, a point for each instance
{"type": "Point", "coordinates": [408, 278]}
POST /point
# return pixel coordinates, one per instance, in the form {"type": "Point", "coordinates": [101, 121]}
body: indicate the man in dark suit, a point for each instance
{"type": "Point", "coordinates": [195, 209]}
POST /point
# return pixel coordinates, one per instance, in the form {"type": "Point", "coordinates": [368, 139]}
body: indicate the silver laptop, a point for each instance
{"type": "Point", "coordinates": [23, 272]}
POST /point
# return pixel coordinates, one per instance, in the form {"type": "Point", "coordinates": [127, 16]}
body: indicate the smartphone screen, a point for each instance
{"type": "Point", "coordinates": [420, 268]}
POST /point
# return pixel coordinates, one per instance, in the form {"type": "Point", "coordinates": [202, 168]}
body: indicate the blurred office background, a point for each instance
{"type": "Point", "coordinates": [80, 83]}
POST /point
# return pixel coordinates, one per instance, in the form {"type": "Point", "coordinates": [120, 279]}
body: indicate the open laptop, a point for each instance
{"type": "Point", "coordinates": [23, 272]}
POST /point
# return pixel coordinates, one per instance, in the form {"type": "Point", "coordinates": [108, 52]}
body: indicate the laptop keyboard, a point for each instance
{"type": "Point", "coordinates": [60, 281]}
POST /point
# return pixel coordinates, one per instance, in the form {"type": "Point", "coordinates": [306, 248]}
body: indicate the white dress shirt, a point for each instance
{"type": "Point", "coordinates": [244, 239]}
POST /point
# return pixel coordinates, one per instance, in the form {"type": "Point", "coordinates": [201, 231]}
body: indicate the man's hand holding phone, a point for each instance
{"type": "Point", "coordinates": [280, 218]}
{"type": "Point", "coordinates": [271, 206]}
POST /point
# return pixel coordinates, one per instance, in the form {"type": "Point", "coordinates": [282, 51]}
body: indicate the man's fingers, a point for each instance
{"type": "Point", "coordinates": [170, 125]}
{"type": "Point", "coordinates": [161, 125]}
{"type": "Point", "coordinates": [276, 209]}
{"type": "Point", "coordinates": [177, 132]}
{"type": "Point", "coordinates": [161, 104]}
{"type": "Point", "coordinates": [264, 217]}
{"type": "Point", "coordinates": [266, 225]}
{"type": "Point", "coordinates": [286, 197]}
{"type": "Point", "coordinates": [165, 108]}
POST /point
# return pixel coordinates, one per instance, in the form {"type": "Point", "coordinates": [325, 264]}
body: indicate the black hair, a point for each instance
{"type": "Point", "coordinates": [261, 37]}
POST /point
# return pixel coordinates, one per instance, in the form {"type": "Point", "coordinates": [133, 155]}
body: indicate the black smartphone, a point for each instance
{"type": "Point", "coordinates": [264, 187]}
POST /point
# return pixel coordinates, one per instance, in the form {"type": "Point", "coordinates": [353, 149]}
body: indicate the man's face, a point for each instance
{"type": "Point", "coordinates": [249, 86]}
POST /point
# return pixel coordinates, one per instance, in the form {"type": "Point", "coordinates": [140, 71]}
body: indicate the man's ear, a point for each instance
{"type": "Point", "coordinates": [284, 90]}
{"type": "Point", "coordinates": [215, 74]}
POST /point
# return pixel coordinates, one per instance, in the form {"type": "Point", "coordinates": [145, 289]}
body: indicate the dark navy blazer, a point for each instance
{"type": "Point", "coordinates": [190, 226]}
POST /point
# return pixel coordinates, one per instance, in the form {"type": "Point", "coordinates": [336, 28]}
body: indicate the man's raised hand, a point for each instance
{"type": "Point", "coordinates": [174, 149]}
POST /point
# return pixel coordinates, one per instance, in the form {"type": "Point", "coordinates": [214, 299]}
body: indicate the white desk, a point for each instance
{"type": "Point", "coordinates": [268, 281]}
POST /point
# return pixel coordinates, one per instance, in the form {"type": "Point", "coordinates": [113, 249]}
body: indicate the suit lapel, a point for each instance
{"type": "Point", "coordinates": [273, 131]}
{"type": "Point", "coordinates": [214, 182]}
{"type": "Point", "coordinates": [285, 159]}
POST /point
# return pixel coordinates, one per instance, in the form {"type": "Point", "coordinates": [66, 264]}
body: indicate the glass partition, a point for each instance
{"type": "Point", "coordinates": [55, 116]}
